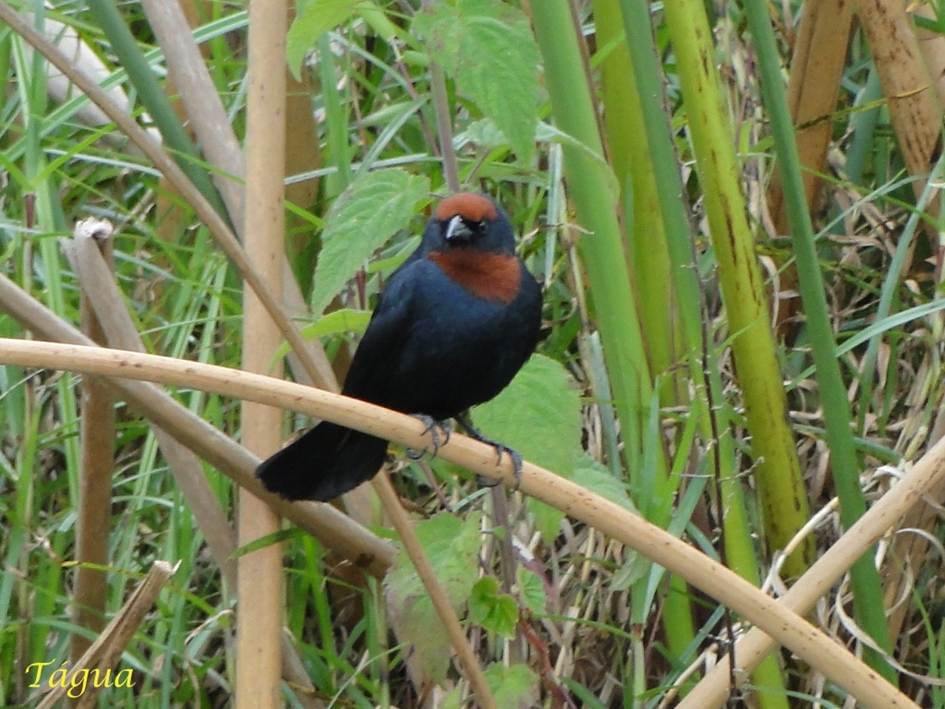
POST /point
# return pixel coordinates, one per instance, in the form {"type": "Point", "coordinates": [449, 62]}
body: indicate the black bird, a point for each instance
{"type": "Point", "coordinates": [455, 323]}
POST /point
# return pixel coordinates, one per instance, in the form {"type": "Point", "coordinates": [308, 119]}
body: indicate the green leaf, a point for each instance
{"type": "Point", "coordinates": [514, 687]}
{"type": "Point", "coordinates": [371, 210]}
{"type": "Point", "coordinates": [597, 478]}
{"type": "Point", "coordinates": [488, 48]}
{"type": "Point", "coordinates": [338, 321]}
{"type": "Point", "coordinates": [314, 18]}
{"type": "Point", "coordinates": [634, 568]}
{"type": "Point", "coordinates": [493, 610]}
{"type": "Point", "coordinates": [452, 545]}
{"type": "Point", "coordinates": [532, 589]}
{"type": "Point", "coordinates": [264, 541]}
{"type": "Point", "coordinates": [539, 415]}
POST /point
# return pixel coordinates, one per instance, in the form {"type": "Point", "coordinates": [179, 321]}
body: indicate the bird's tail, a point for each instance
{"type": "Point", "coordinates": [327, 461]}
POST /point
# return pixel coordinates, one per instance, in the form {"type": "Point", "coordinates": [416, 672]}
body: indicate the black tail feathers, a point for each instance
{"type": "Point", "coordinates": [327, 461]}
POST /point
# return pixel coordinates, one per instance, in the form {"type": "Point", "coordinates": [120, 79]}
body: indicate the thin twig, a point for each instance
{"type": "Point", "coordinates": [441, 603]}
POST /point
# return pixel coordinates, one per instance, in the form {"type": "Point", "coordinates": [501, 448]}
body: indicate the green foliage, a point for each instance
{"type": "Point", "coordinates": [488, 48]}
{"type": "Point", "coordinates": [539, 415]}
{"type": "Point", "coordinates": [313, 19]}
{"type": "Point", "coordinates": [596, 478]}
{"type": "Point", "coordinates": [531, 590]}
{"type": "Point", "coordinates": [371, 210]}
{"type": "Point", "coordinates": [452, 545]}
{"type": "Point", "coordinates": [514, 687]}
{"type": "Point", "coordinates": [495, 611]}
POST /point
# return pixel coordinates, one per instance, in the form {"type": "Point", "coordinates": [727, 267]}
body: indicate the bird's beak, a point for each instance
{"type": "Point", "coordinates": [457, 230]}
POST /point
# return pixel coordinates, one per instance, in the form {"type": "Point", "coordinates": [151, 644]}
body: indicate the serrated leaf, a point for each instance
{"type": "Point", "coordinates": [488, 48]}
{"type": "Point", "coordinates": [371, 210]}
{"type": "Point", "coordinates": [452, 545]}
{"type": "Point", "coordinates": [514, 687]}
{"type": "Point", "coordinates": [493, 610]}
{"type": "Point", "coordinates": [532, 589]}
{"type": "Point", "coordinates": [539, 415]}
{"type": "Point", "coordinates": [313, 19]}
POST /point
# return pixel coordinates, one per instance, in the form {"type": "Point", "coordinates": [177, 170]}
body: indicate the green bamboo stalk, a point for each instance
{"type": "Point", "coordinates": [646, 71]}
{"type": "Point", "coordinates": [739, 549]}
{"type": "Point", "coordinates": [867, 590]}
{"type": "Point", "coordinates": [777, 473]}
{"type": "Point", "coordinates": [630, 158]}
{"type": "Point", "coordinates": [155, 100]}
{"type": "Point", "coordinates": [591, 189]}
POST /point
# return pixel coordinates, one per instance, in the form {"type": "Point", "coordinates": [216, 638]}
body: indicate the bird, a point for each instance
{"type": "Point", "coordinates": [454, 324]}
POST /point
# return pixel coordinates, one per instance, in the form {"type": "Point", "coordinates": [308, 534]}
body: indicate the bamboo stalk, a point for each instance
{"type": "Point", "coordinates": [813, 87]}
{"type": "Point", "coordinates": [648, 259]}
{"type": "Point", "coordinates": [777, 471]}
{"type": "Point", "coordinates": [97, 436]}
{"type": "Point", "coordinates": [914, 105]}
{"type": "Point", "coordinates": [335, 530]}
{"type": "Point", "coordinates": [867, 593]}
{"type": "Point", "coordinates": [596, 198]}
{"type": "Point", "coordinates": [774, 618]}
{"type": "Point", "coordinates": [259, 581]}
{"type": "Point", "coordinates": [591, 190]}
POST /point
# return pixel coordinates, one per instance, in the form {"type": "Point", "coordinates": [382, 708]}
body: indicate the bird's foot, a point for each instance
{"type": "Point", "coordinates": [439, 431]}
{"type": "Point", "coordinates": [500, 449]}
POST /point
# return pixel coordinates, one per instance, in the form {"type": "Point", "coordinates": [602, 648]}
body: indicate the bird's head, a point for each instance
{"type": "Point", "coordinates": [469, 220]}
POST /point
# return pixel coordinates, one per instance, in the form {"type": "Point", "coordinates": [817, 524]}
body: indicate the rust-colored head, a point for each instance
{"type": "Point", "coordinates": [471, 206]}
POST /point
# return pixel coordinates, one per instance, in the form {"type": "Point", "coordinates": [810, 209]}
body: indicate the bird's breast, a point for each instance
{"type": "Point", "coordinates": [494, 277]}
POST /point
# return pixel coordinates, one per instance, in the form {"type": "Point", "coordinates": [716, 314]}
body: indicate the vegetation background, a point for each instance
{"type": "Point", "coordinates": [734, 209]}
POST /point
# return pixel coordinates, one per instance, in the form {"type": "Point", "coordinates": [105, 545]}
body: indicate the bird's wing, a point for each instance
{"type": "Point", "coordinates": [372, 368]}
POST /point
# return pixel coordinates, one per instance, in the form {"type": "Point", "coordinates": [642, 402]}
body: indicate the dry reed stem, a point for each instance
{"type": "Point", "coordinates": [907, 554]}
{"type": "Point", "coordinates": [932, 47]}
{"type": "Point", "coordinates": [445, 612]}
{"type": "Point", "coordinates": [97, 282]}
{"type": "Point", "coordinates": [218, 142]}
{"type": "Point", "coordinates": [215, 223]}
{"type": "Point", "coordinates": [814, 85]}
{"type": "Point", "coordinates": [105, 652]}
{"type": "Point", "coordinates": [776, 619]}
{"type": "Point", "coordinates": [97, 440]}
{"type": "Point", "coordinates": [259, 607]}
{"type": "Point", "coordinates": [335, 530]}
{"type": "Point", "coordinates": [926, 475]}
{"type": "Point", "coordinates": [98, 285]}
{"type": "Point", "coordinates": [914, 104]}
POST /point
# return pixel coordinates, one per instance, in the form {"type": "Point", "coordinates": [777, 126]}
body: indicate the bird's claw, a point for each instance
{"type": "Point", "coordinates": [434, 428]}
{"type": "Point", "coordinates": [516, 466]}
{"type": "Point", "coordinates": [500, 448]}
